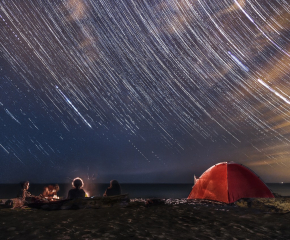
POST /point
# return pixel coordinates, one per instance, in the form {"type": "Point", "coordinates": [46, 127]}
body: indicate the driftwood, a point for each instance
{"type": "Point", "coordinates": [11, 203]}
{"type": "Point", "coordinates": [80, 203]}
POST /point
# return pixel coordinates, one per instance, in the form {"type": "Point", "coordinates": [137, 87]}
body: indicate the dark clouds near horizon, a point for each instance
{"type": "Point", "coordinates": [143, 91]}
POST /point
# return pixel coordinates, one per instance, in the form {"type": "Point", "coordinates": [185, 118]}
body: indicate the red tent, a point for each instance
{"type": "Point", "coordinates": [228, 182]}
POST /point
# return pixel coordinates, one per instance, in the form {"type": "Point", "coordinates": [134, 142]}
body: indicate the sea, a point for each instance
{"type": "Point", "coordinates": [134, 190]}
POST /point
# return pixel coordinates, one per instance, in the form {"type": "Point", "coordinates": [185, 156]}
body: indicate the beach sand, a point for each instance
{"type": "Point", "coordinates": [177, 219]}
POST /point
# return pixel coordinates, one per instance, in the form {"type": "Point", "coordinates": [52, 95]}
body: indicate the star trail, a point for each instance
{"type": "Point", "coordinates": [143, 91]}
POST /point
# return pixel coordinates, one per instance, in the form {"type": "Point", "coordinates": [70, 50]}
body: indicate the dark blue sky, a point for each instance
{"type": "Point", "coordinates": [143, 91]}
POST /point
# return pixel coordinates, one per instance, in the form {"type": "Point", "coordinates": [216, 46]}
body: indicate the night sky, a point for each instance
{"type": "Point", "coordinates": [143, 91]}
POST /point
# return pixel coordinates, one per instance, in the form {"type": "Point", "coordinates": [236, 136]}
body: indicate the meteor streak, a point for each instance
{"type": "Point", "coordinates": [245, 68]}
{"type": "Point", "coordinates": [274, 91]}
{"type": "Point", "coordinates": [74, 108]}
{"type": "Point", "coordinates": [10, 114]}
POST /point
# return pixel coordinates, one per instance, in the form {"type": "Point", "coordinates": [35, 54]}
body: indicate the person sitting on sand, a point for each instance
{"type": "Point", "coordinates": [114, 189]}
{"type": "Point", "coordinates": [23, 197]}
{"type": "Point", "coordinates": [77, 191]}
{"type": "Point", "coordinates": [23, 194]}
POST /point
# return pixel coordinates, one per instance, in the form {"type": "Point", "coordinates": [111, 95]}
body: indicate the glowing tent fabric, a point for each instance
{"type": "Point", "coordinates": [228, 182]}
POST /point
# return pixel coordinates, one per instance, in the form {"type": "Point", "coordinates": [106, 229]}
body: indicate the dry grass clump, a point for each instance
{"type": "Point", "coordinates": [280, 204]}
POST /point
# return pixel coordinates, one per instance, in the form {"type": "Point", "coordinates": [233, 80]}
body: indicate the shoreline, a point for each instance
{"type": "Point", "coordinates": [134, 190]}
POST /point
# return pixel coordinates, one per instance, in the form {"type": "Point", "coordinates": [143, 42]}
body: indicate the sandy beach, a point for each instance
{"type": "Point", "coordinates": [174, 219]}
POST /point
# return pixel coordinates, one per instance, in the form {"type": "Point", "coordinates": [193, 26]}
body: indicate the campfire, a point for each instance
{"type": "Point", "coordinates": [50, 192]}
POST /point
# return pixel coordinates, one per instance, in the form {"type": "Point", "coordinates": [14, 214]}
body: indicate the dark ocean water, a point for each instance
{"type": "Point", "coordinates": [134, 190]}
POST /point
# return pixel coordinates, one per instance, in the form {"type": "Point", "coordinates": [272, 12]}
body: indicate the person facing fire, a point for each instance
{"type": "Point", "coordinates": [77, 191]}
{"type": "Point", "coordinates": [114, 189]}
{"type": "Point", "coordinates": [23, 194]}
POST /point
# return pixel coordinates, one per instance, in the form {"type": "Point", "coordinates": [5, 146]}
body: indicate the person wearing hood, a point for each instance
{"type": "Point", "coordinates": [114, 189]}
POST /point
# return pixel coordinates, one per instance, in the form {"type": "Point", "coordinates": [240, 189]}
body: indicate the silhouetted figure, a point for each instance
{"type": "Point", "coordinates": [77, 191]}
{"type": "Point", "coordinates": [114, 189]}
